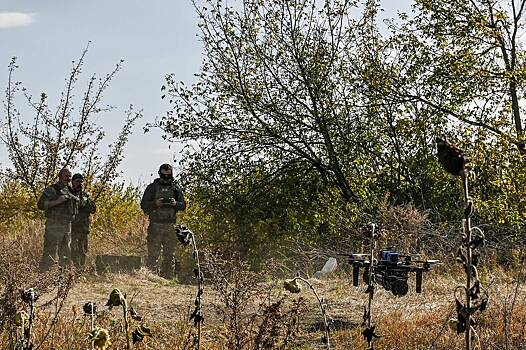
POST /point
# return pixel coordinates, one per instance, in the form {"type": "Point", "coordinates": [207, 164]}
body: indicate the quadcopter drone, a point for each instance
{"type": "Point", "coordinates": [391, 270]}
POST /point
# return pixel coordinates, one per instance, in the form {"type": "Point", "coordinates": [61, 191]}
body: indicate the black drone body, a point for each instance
{"type": "Point", "coordinates": [392, 270]}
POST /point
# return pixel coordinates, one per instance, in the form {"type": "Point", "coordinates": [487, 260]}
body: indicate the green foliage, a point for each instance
{"type": "Point", "coordinates": [325, 117]}
{"type": "Point", "coordinates": [17, 206]}
{"type": "Point", "coordinates": [255, 215]}
{"type": "Point", "coordinates": [305, 119]}
{"type": "Point", "coordinates": [118, 210]}
{"type": "Point", "coordinates": [464, 71]}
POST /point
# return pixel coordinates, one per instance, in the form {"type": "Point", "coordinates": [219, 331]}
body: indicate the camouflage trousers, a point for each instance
{"type": "Point", "coordinates": [57, 240]}
{"type": "Point", "coordinates": [79, 246]}
{"type": "Point", "coordinates": [162, 237]}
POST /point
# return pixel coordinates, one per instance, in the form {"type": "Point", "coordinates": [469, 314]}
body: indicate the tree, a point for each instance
{"type": "Point", "coordinates": [464, 60]}
{"type": "Point", "coordinates": [290, 87]}
{"type": "Point", "coordinates": [460, 66]}
{"type": "Point", "coordinates": [280, 90]}
{"type": "Point", "coordinates": [61, 137]}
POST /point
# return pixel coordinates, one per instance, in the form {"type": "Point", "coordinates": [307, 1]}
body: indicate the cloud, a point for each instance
{"type": "Point", "coordinates": [15, 19]}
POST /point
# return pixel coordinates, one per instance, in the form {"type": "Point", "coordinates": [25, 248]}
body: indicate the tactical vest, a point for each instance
{"type": "Point", "coordinates": [82, 220]}
{"type": "Point", "coordinates": [64, 211]}
{"type": "Point", "coordinates": [163, 214]}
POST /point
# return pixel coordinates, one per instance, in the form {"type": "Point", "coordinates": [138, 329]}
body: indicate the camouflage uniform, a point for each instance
{"type": "Point", "coordinates": [80, 228]}
{"type": "Point", "coordinates": [57, 234]}
{"type": "Point", "coordinates": [161, 230]}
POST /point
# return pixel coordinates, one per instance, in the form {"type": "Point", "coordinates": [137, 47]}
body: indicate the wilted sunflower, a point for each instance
{"type": "Point", "coordinates": [116, 298]}
{"type": "Point", "coordinates": [453, 324]}
{"type": "Point", "coordinates": [29, 295]}
{"type": "Point", "coordinates": [20, 318]}
{"type": "Point", "coordinates": [292, 286]}
{"type": "Point", "coordinates": [184, 235]}
{"type": "Point", "coordinates": [90, 308]}
{"type": "Point", "coordinates": [140, 332]}
{"type": "Point", "coordinates": [451, 157]}
{"type": "Point", "coordinates": [100, 338]}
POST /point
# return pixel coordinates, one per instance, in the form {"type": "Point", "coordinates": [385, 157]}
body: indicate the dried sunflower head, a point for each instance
{"type": "Point", "coordinates": [29, 295]}
{"type": "Point", "coordinates": [292, 286]}
{"type": "Point", "coordinates": [140, 332]}
{"type": "Point", "coordinates": [90, 308]}
{"type": "Point", "coordinates": [100, 338]}
{"type": "Point", "coordinates": [184, 235]}
{"type": "Point", "coordinates": [116, 298]}
{"type": "Point", "coordinates": [20, 318]}
{"type": "Point", "coordinates": [451, 157]}
{"type": "Point", "coordinates": [453, 324]}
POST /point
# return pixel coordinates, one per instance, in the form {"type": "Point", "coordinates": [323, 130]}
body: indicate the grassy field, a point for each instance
{"type": "Point", "coordinates": [416, 321]}
{"type": "Point", "coordinates": [247, 309]}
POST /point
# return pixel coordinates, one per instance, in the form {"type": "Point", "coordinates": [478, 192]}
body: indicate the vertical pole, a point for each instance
{"type": "Point", "coordinates": [467, 230]}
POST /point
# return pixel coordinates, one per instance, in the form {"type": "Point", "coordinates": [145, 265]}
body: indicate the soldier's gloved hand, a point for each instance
{"type": "Point", "coordinates": [172, 202]}
{"type": "Point", "coordinates": [61, 199]}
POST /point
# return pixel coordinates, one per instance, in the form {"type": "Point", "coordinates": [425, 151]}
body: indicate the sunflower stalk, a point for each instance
{"type": "Point", "coordinates": [321, 302]}
{"type": "Point", "coordinates": [29, 296]}
{"type": "Point", "coordinates": [126, 324]}
{"type": "Point", "coordinates": [369, 333]}
{"type": "Point", "coordinates": [90, 309]}
{"type": "Point", "coordinates": [118, 299]}
{"type": "Point", "coordinates": [198, 318]}
{"type": "Point", "coordinates": [454, 161]}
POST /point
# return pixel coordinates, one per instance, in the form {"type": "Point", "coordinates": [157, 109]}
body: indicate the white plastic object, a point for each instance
{"type": "Point", "coordinates": [328, 268]}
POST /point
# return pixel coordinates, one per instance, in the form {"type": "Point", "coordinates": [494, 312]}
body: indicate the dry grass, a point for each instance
{"type": "Point", "coordinates": [411, 322]}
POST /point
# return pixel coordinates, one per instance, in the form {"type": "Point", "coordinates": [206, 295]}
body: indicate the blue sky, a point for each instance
{"type": "Point", "coordinates": [153, 37]}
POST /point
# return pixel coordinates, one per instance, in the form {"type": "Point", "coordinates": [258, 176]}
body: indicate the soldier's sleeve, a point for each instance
{"type": "Point", "coordinates": [180, 203]}
{"type": "Point", "coordinates": [47, 195]}
{"type": "Point", "coordinates": [148, 199]}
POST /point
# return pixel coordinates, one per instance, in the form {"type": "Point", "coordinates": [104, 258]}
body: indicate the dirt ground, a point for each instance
{"type": "Point", "coordinates": [169, 301]}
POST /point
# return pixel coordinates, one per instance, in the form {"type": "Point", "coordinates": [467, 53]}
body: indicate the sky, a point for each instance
{"type": "Point", "coordinates": [154, 38]}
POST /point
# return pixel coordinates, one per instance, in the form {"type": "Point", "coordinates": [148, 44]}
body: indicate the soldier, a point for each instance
{"type": "Point", "coordinates": [81, 224]}
{"type": "Point", "coordinates": [60, 207]}
{"type": "Point", "coordinates": [161, 201]}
